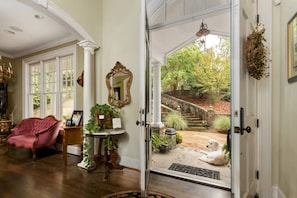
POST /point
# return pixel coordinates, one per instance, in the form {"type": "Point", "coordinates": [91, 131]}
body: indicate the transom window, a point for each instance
{"type": "Point", "coordinates": [50, 84]}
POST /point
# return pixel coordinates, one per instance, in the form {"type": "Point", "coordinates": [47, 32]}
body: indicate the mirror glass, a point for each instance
{"type": "Point", "coordinates": [118, 82]}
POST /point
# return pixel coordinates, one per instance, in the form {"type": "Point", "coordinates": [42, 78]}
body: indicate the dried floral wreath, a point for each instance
{"type": "Point", "coordinates": [256, 53]}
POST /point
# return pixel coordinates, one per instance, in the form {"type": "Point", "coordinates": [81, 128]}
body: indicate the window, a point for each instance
{"type": "Point", "coordinates": [50, 84]}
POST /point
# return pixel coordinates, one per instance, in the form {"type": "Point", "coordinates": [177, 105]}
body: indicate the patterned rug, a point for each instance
{"type": "Point", "coordinates": [195, 171]}
{"type": "Point", "coordinates": [136, 194]}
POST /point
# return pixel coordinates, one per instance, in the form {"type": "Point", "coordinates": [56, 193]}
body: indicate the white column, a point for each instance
{"type": "Point", "coordinates": [88, 101]}
{"type": "Point", "coordinates": [157, 123]}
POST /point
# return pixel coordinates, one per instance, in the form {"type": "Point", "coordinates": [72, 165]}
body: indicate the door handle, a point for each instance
{"type": "Point", "coordinates": [241, 128]}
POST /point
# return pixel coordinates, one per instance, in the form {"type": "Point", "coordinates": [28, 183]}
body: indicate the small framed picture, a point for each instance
{"type": "Point", "coordinates": [116, 123]}
{"type": "Point", "coordinates": [68, 122]}
{"type": "Point", "coordinates": [76, 118]}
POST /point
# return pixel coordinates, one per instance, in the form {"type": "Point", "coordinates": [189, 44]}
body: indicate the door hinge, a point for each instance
{"type": "Point", "coordinates": [257, 174]}
{"type": "Point", "coordinates": [258, 123]}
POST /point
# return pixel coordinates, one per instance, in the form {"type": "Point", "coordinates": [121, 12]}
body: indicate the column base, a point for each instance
{"type": "Point", "coordinates": [89, 166]}
{"type": "Point", "coordinates": [158, 125]}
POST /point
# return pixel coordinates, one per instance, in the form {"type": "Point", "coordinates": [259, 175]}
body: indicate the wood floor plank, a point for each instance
{"type": "Point", "coordinates": [47, 177]}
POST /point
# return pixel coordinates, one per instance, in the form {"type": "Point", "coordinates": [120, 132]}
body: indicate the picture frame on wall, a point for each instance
{"type": "Point", "coordinates": [292, 49]}
{"type": "Point", "coordinates": [76, 118]}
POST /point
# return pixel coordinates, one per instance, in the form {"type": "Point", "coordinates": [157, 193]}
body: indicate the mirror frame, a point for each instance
{"type": "Point", "coordinates": [119, 68]}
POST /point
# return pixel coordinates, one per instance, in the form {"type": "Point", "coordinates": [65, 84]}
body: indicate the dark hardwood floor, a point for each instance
{"type": "Point", "coordinates": [47, 177]}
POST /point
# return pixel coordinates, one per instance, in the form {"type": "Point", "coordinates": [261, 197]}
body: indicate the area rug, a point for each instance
{"type": "Point", "coordinates": [195, 171]}
{"type": "Point", "coordinates": [136, 194]}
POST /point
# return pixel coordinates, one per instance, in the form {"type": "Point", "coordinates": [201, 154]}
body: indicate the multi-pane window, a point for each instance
{"type": "Point", "coordinates": [50, 85]}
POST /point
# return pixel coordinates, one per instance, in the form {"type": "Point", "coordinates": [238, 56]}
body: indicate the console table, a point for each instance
{"type": "Point", "coordinates": [72, 136]}
{"type": "Point", "coordinates": [112, 133]}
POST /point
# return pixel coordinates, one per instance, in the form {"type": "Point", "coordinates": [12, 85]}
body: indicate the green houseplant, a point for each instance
{"type": "Point", "coordinates": [94, 126]}
{"type": "Point", "coordinates": [161, 142]}
{"type": "Point", "coordinates": [109, 112]}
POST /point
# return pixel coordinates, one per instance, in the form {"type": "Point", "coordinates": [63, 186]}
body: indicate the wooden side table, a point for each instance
{"type": "Point", "coordinates": [72, 136]}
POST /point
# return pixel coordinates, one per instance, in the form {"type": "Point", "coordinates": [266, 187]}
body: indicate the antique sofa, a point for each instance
{"type": "Point", "coordinates": [34, 133]}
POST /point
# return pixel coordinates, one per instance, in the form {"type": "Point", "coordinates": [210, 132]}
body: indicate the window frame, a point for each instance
{"type": "Point", "coordinates": [40, 58]}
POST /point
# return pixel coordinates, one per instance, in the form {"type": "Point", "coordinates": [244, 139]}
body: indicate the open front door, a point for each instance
{"type": "Point", "coordinates": [244, 104]}
{"type": "Point", "coordinates": [145, 120]}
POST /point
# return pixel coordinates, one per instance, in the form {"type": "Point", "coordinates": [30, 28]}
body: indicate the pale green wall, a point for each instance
{"type": "Point", "coordinates": [285, 103]}
{"type": "Point", "coordinates": [88, 13]}
{"type": "Point", "coordinates": [121, 42]}
{"type": "Point", "coordinates": [115, 26]}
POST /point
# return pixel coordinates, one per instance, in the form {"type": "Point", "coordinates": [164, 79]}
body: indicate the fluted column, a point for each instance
{"type": "Point", "coordinates": [88, 101]}
{"type": "Point", "coordinates": [157, 123]}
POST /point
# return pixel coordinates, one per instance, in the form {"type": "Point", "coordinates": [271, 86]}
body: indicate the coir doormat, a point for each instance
{"type": "Point", "coordinates": [195, 171]}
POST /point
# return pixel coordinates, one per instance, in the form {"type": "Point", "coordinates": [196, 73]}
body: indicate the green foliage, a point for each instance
{"type": "Point", "coordinates": [160, 140]}
{"type": "Point", "coordinates": [104, 109]}
{"type": "Point", "coordinates": [178, 68]}
{"type": "Point", "coordinates": [227, 97]}
{"type": "Point", "coordinates": [179, 138]}
{"type": "Point", "coordinates": [205, 71]}
{"type": "Point", "coordinates": [222, 123]}
{"type": "Point", "coordinates": [227, 152]}
{"type": "Point", "coordinates": [176, 121]}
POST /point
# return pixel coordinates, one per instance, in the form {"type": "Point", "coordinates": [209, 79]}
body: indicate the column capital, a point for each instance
{"type": "Point", "coordinates": [88, 46]}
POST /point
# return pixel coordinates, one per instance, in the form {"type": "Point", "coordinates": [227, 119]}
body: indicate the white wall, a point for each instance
{"type": "Point", "coordinates": [285, 103]}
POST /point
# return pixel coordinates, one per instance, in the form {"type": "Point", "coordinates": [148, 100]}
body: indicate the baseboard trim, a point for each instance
{"type": "Point", "coordinates": [130, 162]}
{"type": "Point", "coordinates": [277, 192]}
{"type": "Point", "coordinates": [72, 149]}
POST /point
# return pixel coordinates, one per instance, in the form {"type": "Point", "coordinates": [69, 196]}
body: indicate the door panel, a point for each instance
{"type": "Point", "coordinates": [145, 116]}
{"type": "Point", "coordinates": [244, 95]}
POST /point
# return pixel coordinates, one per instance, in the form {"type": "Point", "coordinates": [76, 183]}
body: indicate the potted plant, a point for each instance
{"type": "Point", "coordinates": [96, 122]}
{"type": "Point", "coordinates": [94, 125]}
{"type": "Point", "coordinates": [161, 142]}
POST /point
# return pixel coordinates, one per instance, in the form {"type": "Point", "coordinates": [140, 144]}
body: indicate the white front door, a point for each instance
{"type": "Point", "coordinates": [145, 120]}
{"type": "Point", "coordinates": [244, 104]}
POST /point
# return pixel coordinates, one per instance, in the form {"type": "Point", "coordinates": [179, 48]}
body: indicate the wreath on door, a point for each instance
{"type": "Point", "coordinates": [256, 53]}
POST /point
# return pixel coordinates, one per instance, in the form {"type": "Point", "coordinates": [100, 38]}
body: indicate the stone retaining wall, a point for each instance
{"type": "Point", "coordinates": [181, 105]}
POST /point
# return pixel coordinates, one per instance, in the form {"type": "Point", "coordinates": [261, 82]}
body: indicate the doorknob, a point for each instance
{"type": "Point", "coordinates": [241, 129]}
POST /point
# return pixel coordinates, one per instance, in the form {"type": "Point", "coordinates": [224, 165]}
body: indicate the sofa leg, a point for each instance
{"type": "Point", "coordinates": [34, 154]}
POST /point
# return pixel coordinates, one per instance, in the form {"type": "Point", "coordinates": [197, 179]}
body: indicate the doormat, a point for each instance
{"type": "Point", "coordinates": [136, 194]}
{"type": "Point", "coordinates": [195, 171]}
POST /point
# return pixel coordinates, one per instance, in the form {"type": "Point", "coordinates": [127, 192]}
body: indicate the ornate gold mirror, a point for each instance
{"type": "Point", "coordinates": [118, 82]}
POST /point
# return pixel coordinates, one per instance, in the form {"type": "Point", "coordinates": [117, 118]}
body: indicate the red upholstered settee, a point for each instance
{"type": "Point", "coordinates": [34, 133]}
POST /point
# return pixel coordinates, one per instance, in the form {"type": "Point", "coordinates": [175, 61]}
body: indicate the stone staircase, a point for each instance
{"type": "Point", "coordinates": [194, 122]}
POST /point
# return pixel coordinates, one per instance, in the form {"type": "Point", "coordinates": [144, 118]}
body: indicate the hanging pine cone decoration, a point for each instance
{"type": "Point", "coordinates": [256, 54]}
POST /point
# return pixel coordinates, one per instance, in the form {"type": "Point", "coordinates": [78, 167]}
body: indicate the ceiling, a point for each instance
{"type": "Point", "coordinates": [21, 32]}
{"type": "Point", "coordinates": [172, 24]}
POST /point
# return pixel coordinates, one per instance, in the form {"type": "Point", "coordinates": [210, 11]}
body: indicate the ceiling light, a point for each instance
{"type": "Point", "coordinates": [203, 31]}
{"type": "Point", "coordinates": [38, 16]}
{"type": "Point", "coordinates": [9, 31]}
{"type": "Point", "coordinates": [15, 28]}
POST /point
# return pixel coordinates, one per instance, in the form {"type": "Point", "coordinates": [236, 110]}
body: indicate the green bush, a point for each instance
{"type": "Point", "coordinates": [226, 97]}
{"type": "Point", "coordinates": [179, 138]}
{"type": "Point", "coordinates": [222, 123]}
{"type": "Point", "coordinates": [176, 121]}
